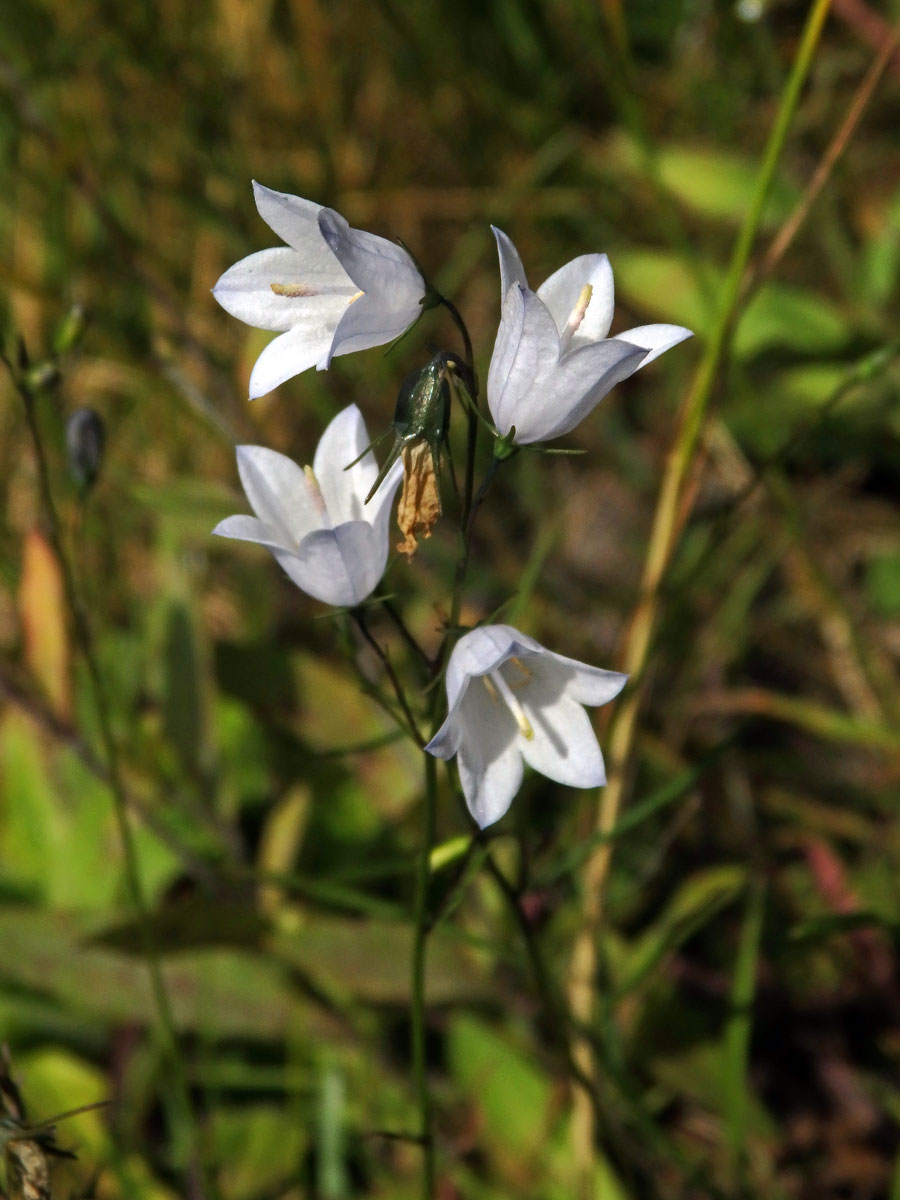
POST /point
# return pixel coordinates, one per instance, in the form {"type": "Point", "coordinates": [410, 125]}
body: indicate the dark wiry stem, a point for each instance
{"type": "Point", "coordinates": [84, 641]}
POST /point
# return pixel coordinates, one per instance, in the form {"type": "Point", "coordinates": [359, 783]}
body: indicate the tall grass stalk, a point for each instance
{"type": "Point", "coordinates": [667, 524]}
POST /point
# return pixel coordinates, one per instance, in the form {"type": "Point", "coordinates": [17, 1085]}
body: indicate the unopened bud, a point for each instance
{"type": "Point", "coordinates": [423, 404]}
{"type": "Point", "coordinates": [69, 331]}
{"type": "Point", "coordinates": [42, 375]}
{"type": "Point", "coordinates": [85, 439]}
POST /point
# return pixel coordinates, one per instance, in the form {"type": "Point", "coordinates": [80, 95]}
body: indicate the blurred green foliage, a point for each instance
{"type": "Point", "coordinates": [748, 1030]}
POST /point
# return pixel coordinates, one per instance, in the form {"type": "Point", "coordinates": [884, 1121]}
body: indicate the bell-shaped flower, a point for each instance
{"type": "Point", "coordinates": [510, 699]}
{"type": "Point", "coordinates": [552, 360]}
{"type": "Point", "coordinates": [315, 520]}
{"type": "Point", "coordinates": [330, 290]}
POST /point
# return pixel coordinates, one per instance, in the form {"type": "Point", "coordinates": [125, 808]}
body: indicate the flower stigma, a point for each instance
{"type": "Point", "coordinates": [315, 492]}
{"type": "Point", "coordinates": [494, 682]}
{"type": "Point", "coordinates": [576, 316]}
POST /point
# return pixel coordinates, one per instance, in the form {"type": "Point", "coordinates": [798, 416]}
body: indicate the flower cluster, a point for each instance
{"type": "Point", "coordinates": [331, 290]}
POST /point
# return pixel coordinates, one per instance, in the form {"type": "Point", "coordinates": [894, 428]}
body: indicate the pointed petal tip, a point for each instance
{"type": "Point", "coordinates": [655, 339]}
{"type": "Point", "coordinates": [260, 194]}
{"type": "Point", "coordinates": [330, 222]}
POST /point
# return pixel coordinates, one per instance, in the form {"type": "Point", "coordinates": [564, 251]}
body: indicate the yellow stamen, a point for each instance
{"type": "Point", "coordinates": [500, 684]}
{"type": "Point", "coordinates": [292, 290]}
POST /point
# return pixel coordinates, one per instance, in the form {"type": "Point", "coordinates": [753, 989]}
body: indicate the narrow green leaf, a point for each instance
{"type": "Point", "coordinates": [696, 902]}
{"type": "Point", "coordinates": [736, 1049]}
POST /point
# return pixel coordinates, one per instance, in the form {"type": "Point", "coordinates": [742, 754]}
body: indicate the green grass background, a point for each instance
{"type": "Point", "coordinates": [749, 1002]}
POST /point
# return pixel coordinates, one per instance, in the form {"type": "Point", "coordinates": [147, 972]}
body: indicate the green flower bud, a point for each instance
{"type": "Point", "coordinates": [422, 412]}
{"type": "Point", "coordinates": [69, 331]}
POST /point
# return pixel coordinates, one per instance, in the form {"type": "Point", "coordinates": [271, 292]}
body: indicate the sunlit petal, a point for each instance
{"type": "Point", "coordinates": [317, 528]}
{"type": "Point", "coordinates": [561, 291]}
{"type": "Point", "coordinates": [510, 700]}
{"type": "Point", "coordinates": [332, 290]}
{"type": "Point", "coordinates": [553, 361]}
{"type": "Point", "coordinates": [656, 339]}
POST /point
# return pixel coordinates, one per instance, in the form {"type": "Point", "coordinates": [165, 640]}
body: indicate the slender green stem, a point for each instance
{"type": "Point", "coordinates": [404, 631]}
{"type": "Point", "coordinates": [464, 334]}
{"type": "Point", "coordinates": [467, 378]}
{"type": "Point", "coordinates": [359, 618]}
{"type": "Point", "coordinates": [479, 498]}
{"type": "Point", "coordinates": [422, 918]}
{"type": "Point", "coordinates": [554, 1009]}
{"type": "Point", "coordinates": [559, 1024]}
{"type": "Point", "coordinates": [184, 1119]}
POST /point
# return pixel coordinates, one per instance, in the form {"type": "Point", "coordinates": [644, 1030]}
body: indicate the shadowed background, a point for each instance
{"type": "Point", "coordinates": [749, 1004]}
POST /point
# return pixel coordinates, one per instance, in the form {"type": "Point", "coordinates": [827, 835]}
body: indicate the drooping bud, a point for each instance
{"type": "Point", "coordinates": [421, 420]}
{"type": "Point", "coordinates": [423, 403]}
{"type": "Point", "coordinates": [85, 439]}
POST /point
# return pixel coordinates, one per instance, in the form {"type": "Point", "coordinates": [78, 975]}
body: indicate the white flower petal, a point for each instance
{"type": "Point", "coordinates": [564, 746]}
{"type": "Point", "coordinates": [369, 322]}
{"type": "Point", "coordinates": [543, 395]}
{"type": "Point", "coordinates": [525, 356]}
{"type": "Point", "coordinates": [246, 291]}
{"type": "Point", "coordinates": [562, 291]}
{"type": "Point", "coordinates": [483, 650]}
{"type": "Point", "coordinates": [339, 566]}
{"type": "Point", "coordinates": [294, 220]}
{"type": "Point", "coordinates": [582, 379]}
{"type": "Point", "coordinates": [501, 388]}
{"type": "Point", "coordinates": [391, 284]}
{"type": "Point", "coordinates": [446, 741]}
{"type": "Point", "coordinates": [344, 440]}
{"type": "Point", "coordinates": [657, 339]}
{"type": "Point", "coordinates": [279, 494]}
{"type": "Point", "coordinates": [591, 685]}
{"type": "Point", "coordinates": [511, 269]}
{"type": "Point", "coordinates": [489, 760]}
{"type": "Point", "coordinates": [337, 561]}
{"type": "Point", "coordinates": [286, 356]}
{"type": "Point", "coordinates": [305, 291]}
{"type": "Point", "coordinates": [372, 262]}
{"type": "Point", "coordinates": [511, 700]}
{"type": "Point", "coordinates": [345, 490]}
{"type": "Point", "coordinates": [490, 787]}
{"type": "Point", "coordinates": [248, 529]}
